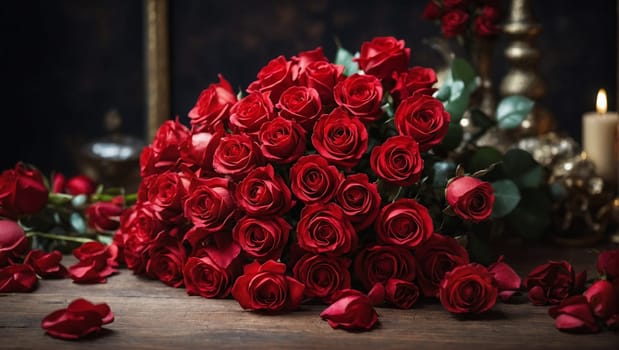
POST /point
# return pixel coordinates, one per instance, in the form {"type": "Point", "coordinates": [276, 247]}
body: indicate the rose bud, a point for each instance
{"type": "Point", "coordinates": [411, 81]}
{"type": "Point", "coordinates": [262, 238]}
{"type": "Point", "coordinates": [263, 193]}
{"type": "Point", "coordinates": [250, 112]}
{"type": "Point", "coordinates": [424, 118]}
{"type": "Point", "coordinates": [275, 78]}
{"type": "Point", "coordinates": [405, 223]}
{"type": "Point", "coordinates": [96, 262]}
{"type": "Point", "coordinates": [401, 294]}
{"type": "Point", "coordinates": [470, 198]}
{"type": "Point", "coordinates": [435, 257]}
{"type": "Point", "coordinates": [78, 320]}
{"type": "Point", "coordinates": [204, 277]}
{"type": "Point", "coordinates": [322, 275]}
{"type": "Point", "coordinates": [574, 315]}
{"type": "Point", "coordinates": [266, 287]}
{"type": "Point", "coordinates": [167, 259]}
{"type": "Point", "coordinates": [454, 23]}
{"type": "Point", "coordinates": [81, 184]}
{"type": "Point", "coordinates": [340, 139]}
{"type": "Point", "coordinates": [13, 241]}
{"type": "Point", "coordinates": [58, 183]}
{"type": "Point", "coordinates": [432, 11]}
{"type": "Point", "coordinates": [313, 180]}
{"type": "Point", "coordinates": [22, 191]}
{"type": "Point", "coordinates": [352, 310]}
{"type": "Point", "coordinates": [282, 141]}
{"type": "Point", "coordinates": [212, 107]}
{"type": "Point", "coordinates": [46, 265]}
{"type": "Point", "coordinates": [397, 161]}
{"type": "Point", "coordinates": [550, 283]}
{"type": "Point", "coordinates": [301, 104]}
{"type": "Point", "coordinates": [507, 280]}
{"type": "Point", "coordinates": [382, 56]}
{"type": "Point", "coordinates": [104, 216]}
{"type": "Point", "coordinates": [602, 298]}
{"type": "Point", "coordinates": [324, 229]}
{"type": "Point", "coordinates": [379, 263]}
{"type": "Point", "coordinates": [608, 264]}
{"type": "Point", "coordinates": [361, 96]}
{"type": "Point", "coordinates": [236, 155]}
{"type": "Point", "coordinates": [468, 289]}
{"type": "Point", "coordinates": [359, 200]}
{"type": "Point", "coordinates": [18, 279]}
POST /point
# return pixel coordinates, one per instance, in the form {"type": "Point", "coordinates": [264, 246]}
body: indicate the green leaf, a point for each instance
{"type": "Point", "coordinates": [78, 223]}
{"type": "Point", "coordinates": [484, 157]}
{"type": "Point", "coordinates": [107, 240]}
{"type": "Point", "coordinates": [481, 120]}
{"type": "Point", "coordinates": [507, 197]}
{"type": "Point", "coordinates": [443, 171]}
{"type": "Point", "coordinates": [79, 200]}
{"type": "Point", "coordinates": [462, 70]}
{"type": "Point", "coordinates": [520, 166]}
{"type": "Point", "coordinates": [59, 198]}
{"type": "Point", "coordinates": [344, 58]}
{"type": "Point", "coordinates": [453, 138]}
{"type": "Point", "coordinates": [531, 217]}
{"type": "Point", "coordinates": [512, 110]}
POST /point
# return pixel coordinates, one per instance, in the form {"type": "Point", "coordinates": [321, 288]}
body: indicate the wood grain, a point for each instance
{"type": "Point", "coordinates": [150, 315]}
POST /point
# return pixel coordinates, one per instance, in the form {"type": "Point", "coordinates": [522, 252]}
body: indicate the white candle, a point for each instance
{"type": "Point", "coordinates": [599, 132]}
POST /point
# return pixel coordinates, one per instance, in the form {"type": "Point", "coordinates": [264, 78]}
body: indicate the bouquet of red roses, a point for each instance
{"type": "Point", "coordinates": [323, 182]}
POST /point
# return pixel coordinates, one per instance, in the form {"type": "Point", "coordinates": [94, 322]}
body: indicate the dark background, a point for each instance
{"type": "Point", "coordinates": [65, 63]}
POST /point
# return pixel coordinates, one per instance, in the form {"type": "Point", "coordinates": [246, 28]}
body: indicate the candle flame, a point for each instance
{"type": "Point", "coordinates": [601, 104]}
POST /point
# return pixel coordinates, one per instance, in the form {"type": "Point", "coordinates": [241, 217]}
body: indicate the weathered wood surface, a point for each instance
{"type": "Point", "coordinates": [150, 315]}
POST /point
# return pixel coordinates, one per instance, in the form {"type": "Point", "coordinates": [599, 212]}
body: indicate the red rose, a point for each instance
{"type": "Point", "coordinates": [80, 184]}
{"type": "Point", "coordinates": [138, 226]}
{"type": "Point", "coordinates": [322, 76]}
{"type": "Point", "coordinates": [46, 265]}
{"type": "Point", "coordinates": [167, 258]}
{"type": "Point", "coordinates": [206, 278]}
{"type": "Point", "coordinates": [340, 139]}
{"type": "Point", "coordinates": [574, 315]}
{"type": "Point", "coordinates": [551, 283]}
{"type": "Point", "coordinates": [78, 320]}
{"type": "Point", "coordinates": [265, 287]}
{"type": "Point", "coordinates": [415, 79]}
{"type": "Point", "coordinates": [166, 193]}
{"type": "Point", "coordinates": [352, 310]}
{"type": "Point", "coordinates": [454, 23]}
{"type": "Point", "coordinates": [384, 55]}
{"type": "Point", "coordinates": [424, 118]}
{"type": "Point", "coordinates": [275, 78]}
{"type": "Point", "coordinates": [58, 183]}
{"type": "Point", "coordinates": [401, 294]}
{"type": "Point", "coordinates": [379, 263]}
{"type": "Point", "coordinates": [361, 95]}
{"type": "Point", "coordinates": [397, 161]}
{"type": "Point", "coordinates": [313, 180]}
{"type": "Point", "coordinates": [322, 275]}
{"type": "Point", "coordinates": [249, 113]}
{"type": "Point", "coordinates": [171, 134]}
{"type": "Point", "coordinates": [13, 241]}
{"type": "Point", "coordinates": [262, 238]}
{"type": "Point", "coordinates": [236, 155]}
{"type": "Point", "coordinates": [323, 228]}
{"type": "Point", "coordinates": [22, 191]}
{"type": "Point", "coordinates": [432, 11]}
{"type": "Point", "coordinates": [96, 262]}
{"type": "Point", "coordinates": [263, 193]}
{"type": "Point", "coordinates": [359, 199]}
{"type": "Point", "coordinates": [152, 163]}
{"type": "Point", "coordinates": [197, 151]}
{"type": "Point", "coordinates": [118, 243]}
{"type": "Point", "coordinates": [17, 279]}
{"type": "Point", "coordinates": [507, 280]}
{"type": "Point", "coordinates": [435, 257]}
{"type": "Point", "coordinates": [470, 198]}
{"type": "Point", "coordinates": [305, 58]}
{"type": "Point", "coordinates": [608, 264]}
{"type": "Point", "coordinates": [282, 141]}
{"type": "Point", "coordinates": [468, 289]}
{"type": "Point", "coordinates": [104, 216]}
{"type": "Point", "coordinates": [212, 107]}
{"type": "Point", "coordinates": [301, 104]}
{"type": "Point", "coordinates": [602, 298]}
{"type": "Point", "coordinates": [451, 4]}
{"type": "Point", "coordinates": [486, 23]}
{"type": "Point", "coordinates": [404, 223]}
{"type": "Point", "coordinates": [209, 205]}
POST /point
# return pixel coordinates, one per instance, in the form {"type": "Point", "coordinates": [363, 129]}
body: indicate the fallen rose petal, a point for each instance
{"type": "Point", "coordinates": [574, 315]}
{"type": "Point", "coordinates": [602, 299]}
{"type": "Point", "coordinates": [17, 278]}
{"type": "Point", "coordinates": [46, 265]}
{"type": "Point", "coordinates": [78, 320]}
{"type": "Point", "coordinates": [507, 280]}
{"type": "Point", "coordinates": [377, 294]}
{"type": "Point", "coordinates": [351, 312]}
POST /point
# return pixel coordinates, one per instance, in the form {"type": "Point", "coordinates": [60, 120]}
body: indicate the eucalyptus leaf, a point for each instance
{"type": "Point", "coordinates": [453, 138]}
{"type": "Point", "coordinates": [462, 70]}
{"type": "Point", "coordinates": [344, 58]}
{"type": "Point", "coordinates": [107, 240]}
{"type": "Point", "coordinates": [507, 197]}
{"type": "Point", "coordinates": [78, 223]}
{"type": "Point", "coordinates": [520, 166]}
{"type": "Point", "coordinates": [443, 171]}
{"type": "Point", "coordinates": [483, 158]}
{"type": "Point", "coordinates": [79, 200]}
{"type": "Point", "coordinates": [512, 110]}
{"type": "Point", "coordinates": [481, 120]}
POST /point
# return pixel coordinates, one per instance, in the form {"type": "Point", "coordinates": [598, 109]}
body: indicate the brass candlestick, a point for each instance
{"type": "Point", "coordinates": [523, 56]}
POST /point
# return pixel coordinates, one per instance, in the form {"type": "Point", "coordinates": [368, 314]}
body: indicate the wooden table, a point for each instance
{"type": "Point", "coordinates": [150, 315]}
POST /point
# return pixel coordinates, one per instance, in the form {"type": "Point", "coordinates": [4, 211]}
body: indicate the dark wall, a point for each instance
{"type": "Point", "coordinates": [66, 62]}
